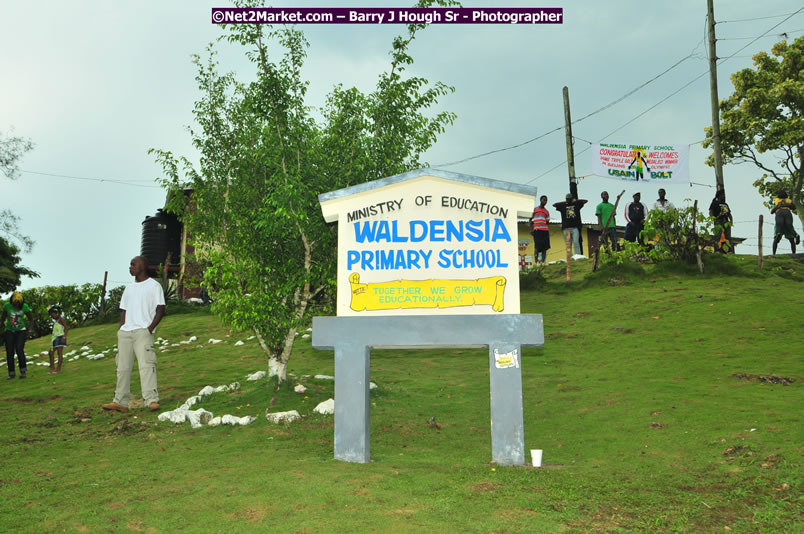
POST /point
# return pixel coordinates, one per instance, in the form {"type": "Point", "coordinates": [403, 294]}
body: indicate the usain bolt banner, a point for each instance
{"type": "Point", "coordinates": [410, 294]}
{"type": "Point", "coordinates": [663, 164]}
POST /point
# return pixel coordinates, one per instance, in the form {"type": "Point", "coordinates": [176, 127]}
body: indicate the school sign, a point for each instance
{"type": "Point", "coordinates": [428, 258]}
{"type": "Point", "coordinates": [428, 242]}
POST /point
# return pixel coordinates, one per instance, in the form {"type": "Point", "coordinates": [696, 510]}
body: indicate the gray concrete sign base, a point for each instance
{"type": "Point", "coordinates": [352, 339]}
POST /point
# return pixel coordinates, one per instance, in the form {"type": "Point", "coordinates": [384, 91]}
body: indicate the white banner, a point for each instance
{"type": "Point", "coordinates": [668, 164]}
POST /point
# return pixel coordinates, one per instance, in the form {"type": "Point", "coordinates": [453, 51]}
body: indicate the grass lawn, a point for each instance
{"type": "Point", "coordinates": [654, 401]}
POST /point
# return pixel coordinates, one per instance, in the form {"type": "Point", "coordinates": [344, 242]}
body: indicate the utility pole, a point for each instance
{"type": "Point", "coordinates": [103, 292]}
{"type": "Point", "coordinates": [713, 89]}
{"type": "Point", "coordinates": [573, 181]}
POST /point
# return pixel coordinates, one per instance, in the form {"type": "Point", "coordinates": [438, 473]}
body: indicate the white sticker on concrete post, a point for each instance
{"type": "Point", "coordinates": [505, 360]}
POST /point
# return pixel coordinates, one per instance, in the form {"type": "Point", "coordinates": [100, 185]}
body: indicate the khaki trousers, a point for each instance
{"type": "Point", "coordinates": [139, 343]}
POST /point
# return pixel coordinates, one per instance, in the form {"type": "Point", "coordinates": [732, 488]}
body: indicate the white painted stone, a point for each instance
{"type": "Point", "coordinates": [282, 417]}
{"type": "Point", "coordinates": [239, 343]}
{"type": "Point", "coordinates": [309, 329]}
{"type": "Point", "coordinates": [208, 390]}
{"type": "Point", "coordinates": [176, 416]}
{"type": "Point", "coordinates": [213, 340]}
{"type": "Point", "coordinates": [250, 338]}
{"type": "Point", "coordinates": [192, 339]}
{"type": "Point", "coordinates": [305, 336]}
{"type": "Point", "coordinates": [215, 421]}
{"type": "Point", "coordinates": [577, 257]}
{"type": "Point", "coordinates": [256, 376]}
{"type": "Point", "coordinates": [198, 418]}
{"type": "Point", "coordinates": [85, 347]}
{"type": "Point", "coordinates": [300, 389]}
{"type": "Point", "coordinates": [372, 385]}
{"type": "Point", "coordinates": [190, 402]}
{"type": "Point", "coordinates": [325, 408]}
{"type": "Point", "coordinates": [324, 377]}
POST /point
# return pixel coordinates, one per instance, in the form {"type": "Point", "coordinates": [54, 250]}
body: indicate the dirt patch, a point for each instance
{"type": "Point", "coordinates": [738, 450]}
{"type": "Point", "coordinates": [771, 461]}
{"type": "Point", "coordinates": [127, 427]}
{"type": "Point", "coordinates": [767, 379]}
{"type": "Point", "coordinates": [656, 412]}
{"type": "Point", "coordinates": [656, 425]}
{"type": "Point", "coordinates": [484, 487]}
{"type": "Point", "coordinates": [252, 515]}
{"type": "Point", "coordinates": [116, 505]}
{"type": "Point", "coordinates": [19, 400]}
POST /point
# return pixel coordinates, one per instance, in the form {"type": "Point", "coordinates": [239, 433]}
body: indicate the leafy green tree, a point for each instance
{"type": "Point", "coordinates": [764, 121]}
{"type": "Point", "coordinates": [10, 268]}
{"type": "Point", "coordinates": [12, 149]}
{"type": "Point", "coordinates": [264, 159]}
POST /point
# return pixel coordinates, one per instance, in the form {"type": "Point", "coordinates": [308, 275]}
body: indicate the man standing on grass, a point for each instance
{"type": "Point", "coordinates": [607, 222]}
{"type": "Point", "coordinates": [635, 214]}
{"type": "Point", "coordinates": [570, 211]}
{"type": "Point", "coordinates": [540, 230]}
{"type": "Point", "coordinates": [142, 307]}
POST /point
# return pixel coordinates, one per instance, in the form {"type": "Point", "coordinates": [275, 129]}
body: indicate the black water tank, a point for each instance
{"type": "Point", "coordinates": [161, 234]}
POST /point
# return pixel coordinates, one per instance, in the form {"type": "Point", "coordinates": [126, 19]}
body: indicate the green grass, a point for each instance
{"type": "Point", "coordinates": [634, 399]}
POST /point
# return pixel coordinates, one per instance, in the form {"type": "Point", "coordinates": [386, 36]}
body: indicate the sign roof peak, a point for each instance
{"type": "Point", "coordinates": [437, 173]}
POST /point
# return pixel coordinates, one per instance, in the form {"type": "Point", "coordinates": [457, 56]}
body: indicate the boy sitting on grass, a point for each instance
{"type": "Point", "coordinates": [58, 338]}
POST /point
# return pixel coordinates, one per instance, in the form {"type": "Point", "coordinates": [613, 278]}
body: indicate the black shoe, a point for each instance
{"type": "Point", "coordinates": [22, 374]}
{"type": "Point", "coordinates": [12, 377]}
{"type": "Point", "coordinates": [798, 239]}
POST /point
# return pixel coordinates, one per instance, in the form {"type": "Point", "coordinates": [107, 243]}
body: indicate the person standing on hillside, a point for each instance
{"type": "Point", "coordinates": [540, 230]}
{"type": "Point", "coordinates": [784, 209]}
{"type": "Point", "coordinates": [58, 338]}
{"type": "Point", "coordinates": [635, 214]}
{"type": "Point", "coordinates": [720, 210]}
{"type": "Point", "coordinates": [14, 317]}
{"type": "Point", "coordinates": [662, 204]}
{"type": "Point", "coordinates": [606, 218]}
{"type": "Point", "coordinates": [142, 307]}
{"type": "Point", "coordinates": [571, 219]}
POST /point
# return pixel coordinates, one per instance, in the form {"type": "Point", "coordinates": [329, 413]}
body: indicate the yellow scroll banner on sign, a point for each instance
{"type": "Point", "coordinates": [407, 294]}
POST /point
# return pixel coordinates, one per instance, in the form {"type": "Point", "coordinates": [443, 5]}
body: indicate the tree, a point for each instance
{"type": "Point", "coordinates": [265, 158]}
{"type": "Point", "coordinates": [765, 115]}
{"type": "Point", "coordinates": [10, 268]}
{"type": "Point", "coordinates": [11, 151]}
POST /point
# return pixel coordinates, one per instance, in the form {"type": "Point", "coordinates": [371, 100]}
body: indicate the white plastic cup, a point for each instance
{"type": "Point", "coordinates": [536, 457]}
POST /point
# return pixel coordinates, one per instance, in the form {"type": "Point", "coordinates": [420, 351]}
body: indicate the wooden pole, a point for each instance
{"type": "Point", "coordinates": [568, 240]}
{"type": "Point", "coordinates": [759, 245]}
{"type": "Point", "coordinates": [103, 292]}
{"type": "Point", "coordinates": [573, 181]}
{"type": "Point", "coordinates": [713, 95]}
{"type": "Point", "coordinates": [695, 234]}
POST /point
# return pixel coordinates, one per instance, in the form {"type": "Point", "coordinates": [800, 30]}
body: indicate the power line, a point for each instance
{"type": "Point", "coordinates": [721, 60]}
{"type": "Point", "coordinates": [756, 18]}
{"type": "Point", "coordinates": [84, 178]}
{"type": "Point", "coordinates": [763, 35]}
{"type": "Point", "coordinates": [595, 112]}
{"type": "Point", "coordinates": [783, 34]}
{"type": "Point", "coordinates": [470, 158]}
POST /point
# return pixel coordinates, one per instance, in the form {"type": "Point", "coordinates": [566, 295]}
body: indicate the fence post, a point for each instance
{"type": "Point", "coordinates": [759, 245]}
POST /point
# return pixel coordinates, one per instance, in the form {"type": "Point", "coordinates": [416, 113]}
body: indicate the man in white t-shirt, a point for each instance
{"type": "Point", "coordinates": [143, 306]}
{"type": "Point", "coordinates": [662, 204]}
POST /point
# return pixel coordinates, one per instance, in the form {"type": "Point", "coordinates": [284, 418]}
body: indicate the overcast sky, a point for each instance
{"type": "Point", "coordinates": [96, 84]}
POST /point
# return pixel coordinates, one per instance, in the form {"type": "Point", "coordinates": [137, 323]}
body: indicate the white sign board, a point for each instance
{"type": "Point", "coordinates": [663, 164]}
{"type": "Point", "coordinates": [428, 242]}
